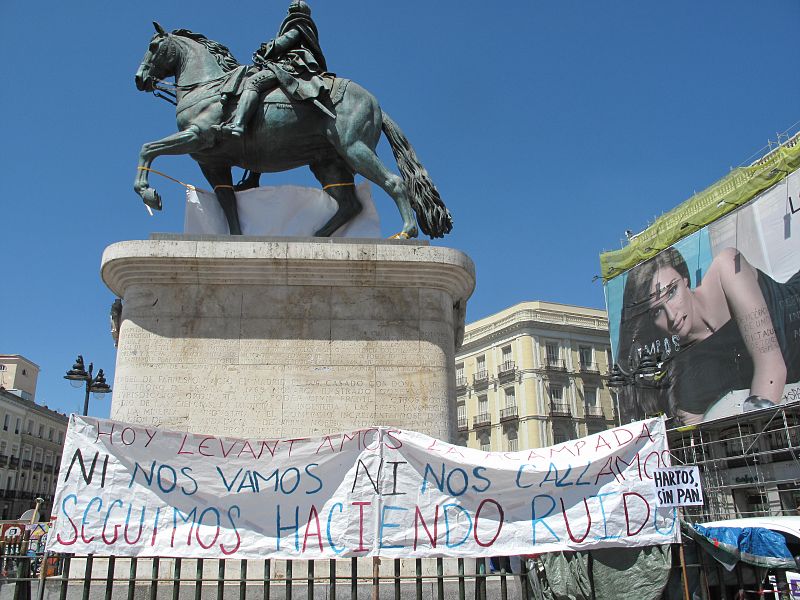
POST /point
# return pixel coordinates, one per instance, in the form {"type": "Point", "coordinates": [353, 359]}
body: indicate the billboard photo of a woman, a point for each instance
{"type": "Point", "coordinates": [727, 335]}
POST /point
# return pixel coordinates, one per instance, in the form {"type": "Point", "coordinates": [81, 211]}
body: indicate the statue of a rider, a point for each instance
{"type": "Point", "coordinates": [293, 61]}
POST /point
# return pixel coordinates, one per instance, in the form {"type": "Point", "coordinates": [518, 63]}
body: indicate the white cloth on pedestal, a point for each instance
{"type": "Point", "coordinates": [286, 210]}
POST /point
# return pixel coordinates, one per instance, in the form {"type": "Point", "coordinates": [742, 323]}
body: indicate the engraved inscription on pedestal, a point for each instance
{"type": "Point", "coordinates": [286, 338]}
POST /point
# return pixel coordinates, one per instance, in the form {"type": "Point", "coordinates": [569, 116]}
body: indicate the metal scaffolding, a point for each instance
{"type": "Point", "coordinates": [749, 463]}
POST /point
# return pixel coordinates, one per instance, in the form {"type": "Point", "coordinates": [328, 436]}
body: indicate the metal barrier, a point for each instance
{"type": "Point", "coordinates": [161, 578]}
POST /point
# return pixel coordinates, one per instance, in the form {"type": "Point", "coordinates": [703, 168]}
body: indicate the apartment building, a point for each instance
{"type": "Point", "coordinates": [533, 375]}
{"type": "Point", "coordinates": [31, 441]}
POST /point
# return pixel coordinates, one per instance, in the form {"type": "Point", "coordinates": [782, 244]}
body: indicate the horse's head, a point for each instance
{"type": "Point", "coordinates": [159, 61]}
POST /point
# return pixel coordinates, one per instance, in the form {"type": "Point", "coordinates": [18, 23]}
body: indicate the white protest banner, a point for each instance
{"type": "Point", "coordinates": [678, 486]}
{"type": "Point", "coordinates": [134, 491]}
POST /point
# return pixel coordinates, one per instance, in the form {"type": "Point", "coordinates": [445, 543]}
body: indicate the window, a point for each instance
{"type": "Point", "coordinates": [590, 395]}
{"type": "Point", "coordinates": [511, 399]}
{"type": "Point", "coordinates": [60, 437]}
{"type": "Point", "coordinates": [585, 356]}
{"type": "Point", "coordinates": [559, 436]}
{"type": "Point", "coordinates": [2, 367]}
{"type": "Point", "coordinates": [462, 411]}
{"type": "Point", "coordinates": [461, 380]}
{"type": "Point", "coordinates": [486, 445]}
{"type": "Point", "coordinates": [6, 422]}
{"type": "Point", "coordinates": [3, 448]}
{"type": "Point", "coordinates": [17, 426]}
{"type": "Point", "coordinates": [25, 372]}
{"type": "Point", "coordinates": [556, 392]}
{"type": "Point", "coordinates": [50, 434]}
{"type": "Point", "coordinates": [511, 437]}
{"type": "Point", "coordinates": [551, 352]}
{"type": "Point", "coordinates": [483, 405]}
{"type": "Point", "coordinates": [506, 354]}
{"type": "Point", "coordinates": [30, 427]}
{"type": "Point", "coordinates": [41, 431]}
{"type": "Point", "coordinates": [481, 365]}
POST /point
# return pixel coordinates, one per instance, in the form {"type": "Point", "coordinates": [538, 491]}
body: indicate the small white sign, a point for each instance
{"type": "Point", "coordinates": [678, 486]}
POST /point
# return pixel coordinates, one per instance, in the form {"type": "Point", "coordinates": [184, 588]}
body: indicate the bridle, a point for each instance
{"type": "Point", "coordinates": [159, 91]}
{"type": "Point", "coordinates": [159, 88]}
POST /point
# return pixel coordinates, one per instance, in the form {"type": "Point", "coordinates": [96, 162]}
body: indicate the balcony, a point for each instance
{"type": "Point", "coordinates": [594, 412]}
{"type": "Point", "coordinates": [555, 364]}
{"type": "Point", "coordinates": [15, 495]}
{"type": "Point", "coordinates": [509, 413]}
{"type": "Point", "coordinates": [26, 463]}
{"type": "Point", "coordinates": [480, 379]}
{"type": "Point", "coordinates": [590, 367]}
{"type": "Point", "coordinates": [463, 424]}
{"type": "Point", "coordinates": [482, 420]}
{"type": "Point", "coordinates": [461, 383]}
{"type": "Point", "coordinates": [560, 409]}
{"type": "Point", "coordinates": [13, 461]}
{"type": "Point", "coordinates": [506, 369]}
{"type": "Point", "coordinates": [37, 466]}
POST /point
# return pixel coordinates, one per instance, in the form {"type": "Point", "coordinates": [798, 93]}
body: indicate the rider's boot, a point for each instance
{"type": "Point", "coordinates": [244, 110]}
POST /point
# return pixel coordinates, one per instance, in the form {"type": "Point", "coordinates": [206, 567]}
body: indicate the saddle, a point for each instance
{"type": "Point", "coordinates": [233, 86]}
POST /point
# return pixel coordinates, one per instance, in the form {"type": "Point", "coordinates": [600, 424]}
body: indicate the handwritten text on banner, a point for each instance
{"type": "Point", "coordinates": [133, 491]}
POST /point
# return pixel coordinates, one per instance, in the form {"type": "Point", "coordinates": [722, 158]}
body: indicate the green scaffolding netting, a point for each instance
{"type": "Point", "coordinates": [732, 191]}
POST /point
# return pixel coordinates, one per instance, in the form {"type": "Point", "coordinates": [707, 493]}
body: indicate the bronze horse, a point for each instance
{"type": "Point", "coordinates": [283, 135]}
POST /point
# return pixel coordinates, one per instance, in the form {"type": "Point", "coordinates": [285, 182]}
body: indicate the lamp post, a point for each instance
{"type": "Point", "coordinates": [94, 385]}
{"type": "Point", "coordinates": [646, 376]}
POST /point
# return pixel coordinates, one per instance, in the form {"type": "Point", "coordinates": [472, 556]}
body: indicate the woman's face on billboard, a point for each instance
{"type": "Point", "coordinates": [671, 303]}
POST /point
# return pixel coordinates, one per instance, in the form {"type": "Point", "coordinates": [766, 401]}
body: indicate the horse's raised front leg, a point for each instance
{"type": "Point", "coordinates": [190, 140]}
{"type": "Point", "coordinates": [220, 179]}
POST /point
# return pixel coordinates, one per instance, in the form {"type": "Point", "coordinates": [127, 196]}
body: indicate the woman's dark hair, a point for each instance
{"type": "Point", "coordinates": [637, 330]}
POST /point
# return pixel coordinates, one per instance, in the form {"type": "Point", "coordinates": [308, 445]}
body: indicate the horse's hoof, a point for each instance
{"type": "Point", "coordinates": [151, 198]}
{"type": "Point", "coordinates": [400, 236]}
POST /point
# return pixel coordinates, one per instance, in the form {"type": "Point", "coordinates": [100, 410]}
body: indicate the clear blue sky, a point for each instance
{"type": "Point", "coordinates": [549, 128]}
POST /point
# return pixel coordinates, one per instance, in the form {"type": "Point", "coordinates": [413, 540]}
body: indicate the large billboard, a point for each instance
{"type": "Point", "coordinates": [720, 312]}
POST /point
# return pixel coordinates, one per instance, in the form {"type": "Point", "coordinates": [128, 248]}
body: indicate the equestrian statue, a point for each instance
{"type": "Point", "coordinates": [283, 111]}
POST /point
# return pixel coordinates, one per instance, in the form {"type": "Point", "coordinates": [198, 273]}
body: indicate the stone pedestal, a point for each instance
{"type": "Point", "coordinates": [279, 337]}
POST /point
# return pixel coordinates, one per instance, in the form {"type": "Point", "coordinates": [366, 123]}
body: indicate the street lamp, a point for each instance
{"type": "Point", "coordinates": [78, 376]}
{"type": "Point", "coordinates": [647, 375]}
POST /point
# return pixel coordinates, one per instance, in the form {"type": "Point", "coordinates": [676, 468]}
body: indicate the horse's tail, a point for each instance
{"type": "Point", "coordinates": [432, 215]}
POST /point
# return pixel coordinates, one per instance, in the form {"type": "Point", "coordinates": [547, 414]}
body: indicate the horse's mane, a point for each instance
{"type": "Point", "coordinates": [221, 53]}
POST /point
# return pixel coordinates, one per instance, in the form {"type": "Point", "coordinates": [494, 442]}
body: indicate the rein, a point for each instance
{"type": "Point", "coordinates": [172, 96]}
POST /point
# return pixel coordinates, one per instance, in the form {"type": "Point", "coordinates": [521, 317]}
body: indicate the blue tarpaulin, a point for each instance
{"type": "Point", "coordinates": [755, 546]}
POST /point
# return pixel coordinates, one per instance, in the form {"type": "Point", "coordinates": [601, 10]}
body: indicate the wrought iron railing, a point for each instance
{"type": "Point", "coordinates": [508, 413]}
{"type": "Point", "coordinates": [481, 420]}
{"type": "Point", "coordinates": [555, 364]}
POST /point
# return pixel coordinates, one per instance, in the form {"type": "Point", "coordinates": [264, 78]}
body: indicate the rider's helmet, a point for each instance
{"type": "Point", "coordinates": [299, 7]}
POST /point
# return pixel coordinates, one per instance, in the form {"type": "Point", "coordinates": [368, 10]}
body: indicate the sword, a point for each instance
{"type": "Point", "coordinates": [323, 108]}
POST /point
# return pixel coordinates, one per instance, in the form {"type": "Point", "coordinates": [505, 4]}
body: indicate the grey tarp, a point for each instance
{"type": "Point", "coordinates": [610, 574]}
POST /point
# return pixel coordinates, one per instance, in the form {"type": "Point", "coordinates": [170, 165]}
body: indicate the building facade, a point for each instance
{"type": "Point", "coordinates": [31, 442]}
{"type": "Point", "coordinates": [533, 375]}
{"type": "Point", "coordinates": [19, 375]}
